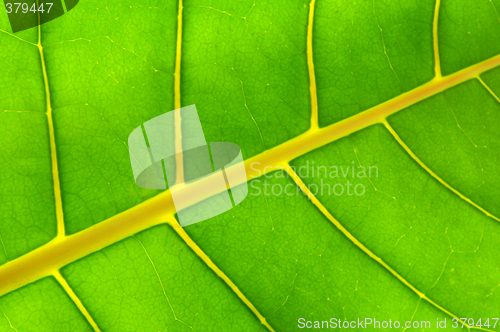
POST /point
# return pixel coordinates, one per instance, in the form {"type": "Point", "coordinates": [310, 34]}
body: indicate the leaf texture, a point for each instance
{"type": "Point", "coordinates": [407, 87]}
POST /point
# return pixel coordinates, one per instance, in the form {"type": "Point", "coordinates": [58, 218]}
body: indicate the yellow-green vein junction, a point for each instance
{"type": "Point", "coordinates": [61, 251]}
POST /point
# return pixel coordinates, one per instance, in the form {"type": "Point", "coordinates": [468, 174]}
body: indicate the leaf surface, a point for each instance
{"type": "Point", "coordinates": [407, 89]}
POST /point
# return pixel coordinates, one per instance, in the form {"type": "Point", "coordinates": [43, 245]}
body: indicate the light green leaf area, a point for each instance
{"type": "Point", "coordinates": [414, 235]}
{"type": "Point", "coordinates": [27, 200]}
{"type": "Point", "coordinates": [41, 306]}
{"type": "Point", "coordinates": [236, 61]}
{"type": "Point", "coordinates": [367, 52]}
{"type": "Point", "coordinates": [468, 33]}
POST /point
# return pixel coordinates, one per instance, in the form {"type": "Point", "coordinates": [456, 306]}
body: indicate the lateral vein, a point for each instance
{"type": "Point", "coordinates": [434, 175]}
{"type": "Point", "coordinates": [310, 66]}
{"type": "Point", "coordinates": [179, 161]}
{"type": "Point", "coordinates": [437, 60]}
{"type": "Point", "coordinates": [13, 35]}
{"type": "Point", "coordinates": [488, 88]}
{"type": "Point", "coordinates": [67, 288]}
{"type": "Point", "coordinates": [53, 151]}
{"type": "Point", "coordinates": [10, 323]}
{"type": "Point", "coordinates": [190, 243]}
{"type": "Point", "coordinates": [356, 242]}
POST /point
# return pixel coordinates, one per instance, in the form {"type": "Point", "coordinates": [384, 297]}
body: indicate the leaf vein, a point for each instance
{"type": "Point", "coordinates": [76, 300]}
{"type": "Point", "coordinates": [191, 244]}
{"type": "Point", "coordinates": [310, 65]}
{"type": "Point", "coordinates": [55, 254]}
{"type": "Point", "coordinates": [434, 175]}
{"type": "Point", "coordinates": [10, 323]}
{"type": "Point", "coordinates": [356, 242]}
{"type": "Point", "coordinates": [177, 101]}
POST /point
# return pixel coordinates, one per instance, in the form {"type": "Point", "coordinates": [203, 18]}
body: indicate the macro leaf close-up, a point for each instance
{"type": "Point", "coordinates": [369, 132]}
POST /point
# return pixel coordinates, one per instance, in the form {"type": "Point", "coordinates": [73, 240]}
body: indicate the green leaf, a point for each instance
{"type": "Point", "coordinates": [407, 89]}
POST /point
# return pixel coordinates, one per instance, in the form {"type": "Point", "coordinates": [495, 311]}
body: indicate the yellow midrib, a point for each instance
{"type": "Point", "coordinates": [62, 251]}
